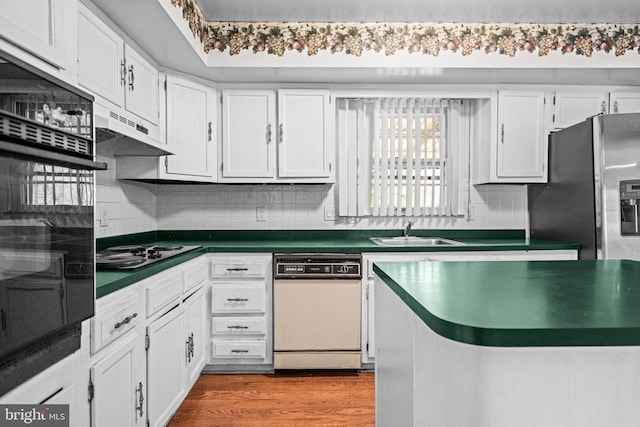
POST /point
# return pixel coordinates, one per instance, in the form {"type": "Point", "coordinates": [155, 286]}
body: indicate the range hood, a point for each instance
{"type": "Point", "coordinates": [129, 138]}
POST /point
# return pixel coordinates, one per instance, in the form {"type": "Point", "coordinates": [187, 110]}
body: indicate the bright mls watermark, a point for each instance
{"type": "Point", "coordinates": [34, 415]}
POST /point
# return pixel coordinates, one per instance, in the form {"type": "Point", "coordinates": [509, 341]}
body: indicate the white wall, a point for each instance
{"type": "Point", "coordinates": [129, 207]}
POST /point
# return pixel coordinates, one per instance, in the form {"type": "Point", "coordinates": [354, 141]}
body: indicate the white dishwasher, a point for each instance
{"type": "Point", "coordinates": [317, 302]}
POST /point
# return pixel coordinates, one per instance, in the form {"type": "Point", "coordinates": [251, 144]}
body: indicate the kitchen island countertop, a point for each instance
{"type": "Point", "coordinates": [513, 343]}
{"type": "Point", "coordinates": [523, 303]}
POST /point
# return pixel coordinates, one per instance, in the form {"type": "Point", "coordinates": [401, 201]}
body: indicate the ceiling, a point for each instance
{"type": "Point", "coordinates": [149, 25]}
{"type": "Point", "coordinates": [513, 11]}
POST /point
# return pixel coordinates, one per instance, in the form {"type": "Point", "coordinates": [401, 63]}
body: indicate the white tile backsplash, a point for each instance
{"type": "Point", "coordinates": [134, 207]}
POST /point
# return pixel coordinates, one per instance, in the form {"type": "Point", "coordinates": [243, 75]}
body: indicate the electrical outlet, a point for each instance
{"type": "Point", "coordinates": [261, 215]}
{"type": "Point", "coordinates": [329, 213]}
{"type": "Point", "coordinates": [104, 217]}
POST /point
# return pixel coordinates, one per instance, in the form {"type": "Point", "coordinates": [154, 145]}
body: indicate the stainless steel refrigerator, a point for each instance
{"type": "Point", "coordinates": [593, 192]}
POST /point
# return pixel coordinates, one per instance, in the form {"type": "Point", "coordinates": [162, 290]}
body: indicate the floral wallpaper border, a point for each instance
{"type": "Point", "coordinates": [428, 38]}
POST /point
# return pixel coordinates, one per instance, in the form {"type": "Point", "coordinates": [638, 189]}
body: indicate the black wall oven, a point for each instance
{"type": "Point", "coordinates": [47, 264]}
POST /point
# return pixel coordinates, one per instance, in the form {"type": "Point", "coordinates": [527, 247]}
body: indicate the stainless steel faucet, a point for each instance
{"type": "Point", "coordinates": [407, 229]}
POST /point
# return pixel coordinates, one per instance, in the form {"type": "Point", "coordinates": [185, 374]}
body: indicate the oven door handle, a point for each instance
{"type": "Point", "coordinates": [51, 156]}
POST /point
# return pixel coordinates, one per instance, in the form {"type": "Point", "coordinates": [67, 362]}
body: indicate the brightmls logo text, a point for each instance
{"type": "Point", "coordinates": [34, 415]}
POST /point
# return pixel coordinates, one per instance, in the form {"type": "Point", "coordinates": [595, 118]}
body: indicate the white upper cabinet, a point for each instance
{"type": "Point", "coordinates": [190, 130]}
{"type": "Point", "coordinates": [571, 108]}
{"type": "Point", "coordinates": [100, 58]}
{"type": "Point", "coordinates": [276, 136]}
{"type": "Point", "coordinates": [113, 70]}
{"type": "Point", "coordinates": [141, 92]}
{"type": "Point", "coordinates": [304, 134]}
{"type": "Point", "coordinates": [521, 139]}
{"type": "Point", "coordinates": [248, 134]}
{"type": "Point", "coordinates": [624, 102]}
{"type": "Point", "coordinates": [191, 136]}
{"type": "Point", "coordinates": [514, 148]}
{"type": "Point", "coordinates": [37, 26]}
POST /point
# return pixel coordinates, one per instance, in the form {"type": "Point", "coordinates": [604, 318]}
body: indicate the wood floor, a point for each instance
{"type": "Point", "coordinates": [283, 399]}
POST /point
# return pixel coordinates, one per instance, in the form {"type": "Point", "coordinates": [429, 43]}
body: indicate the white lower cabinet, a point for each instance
{"type": "Point", "coordinates": [119, 385]}
{"type": "Point", "coordinates": [176, 337]}
{"type": "Point", "coordinates": [368, 259]}
{"type": "Point", "coordinates": [195, 334]}
{"type": "Point", "coordinates": [241, 308]}
{"type": "Point", "coordinates": [165, 365]}
{"type": "Point", "coordinates": [148, 347]}
{"type": "Point", "coordinates": [118, 380]}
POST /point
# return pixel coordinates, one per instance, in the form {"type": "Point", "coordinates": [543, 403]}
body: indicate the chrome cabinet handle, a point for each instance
{"type": "Point", "coordinates": [269, 133]}
{"type": "Point", "coordinates": [140, 401]}
{"type": "Point", "coordinates": [280, 134]}
{"type": "Point", "coordinates": [237, 299]}
{"type": "Point", "coordinates": [237, 327]}
{"type": "Point", "coordinates": [615, 106]}
{"type": "Point", "coordinates": [190, 348]}
{"type": "Point", "coordinates": [238, 269]}
{"type": "Point", "coordinates": [603, 107]}
{"type": "Point", "coordinates": [131, 78]}
{"type": "Point", "coordinates": [502, 133]}
{"type": "Point", "coordinates": [239, 351]}
{"type": "Point", "coordinates": [209, 132]}
{"type": "Point", "coordinates": [123, 73]}
{"type": "Point", "coordinates": [124, 321]}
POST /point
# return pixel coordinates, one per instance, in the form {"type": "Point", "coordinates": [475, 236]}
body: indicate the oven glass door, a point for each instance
{"type": "Point", "coordinates": [46, 249]}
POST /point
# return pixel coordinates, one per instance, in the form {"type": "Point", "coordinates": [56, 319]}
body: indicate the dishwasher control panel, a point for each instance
{"type": "Point", "coordinates": [320, 266]}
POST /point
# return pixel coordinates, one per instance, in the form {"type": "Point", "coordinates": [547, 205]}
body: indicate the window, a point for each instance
{"type": "Point", "coordinates": [401, 156]}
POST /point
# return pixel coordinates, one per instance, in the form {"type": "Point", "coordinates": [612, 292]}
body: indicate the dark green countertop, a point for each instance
{"type": "Point", "coordinates": [294, 241]}
{"type": "Point", "coordinates": [523, 303]}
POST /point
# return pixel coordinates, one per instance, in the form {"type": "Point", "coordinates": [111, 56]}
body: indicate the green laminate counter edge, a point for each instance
{"type": "Point", "coordinates": [304, 241]}
{"type": "Point", "coordinates": [111, 281]}
{"type": "Point", "coordinates": [523, 303]}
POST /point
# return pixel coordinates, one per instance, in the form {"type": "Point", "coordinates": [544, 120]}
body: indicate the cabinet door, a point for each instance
{"type": "Point", "coordinates": [119, 386]}
{"type": "Point", "coordinates": [190, 133]}
{"type": "Point", "coordinates": [141, 93]}
{"type": "Point", "coordinates": [36, 26]}
{"type": "Point", "coordinates": [248, 134]}
{"type": "Point", "coordinates": [165, 366]}
{"type": "Point", "coordinates": [196, 339]}
{"type": "Point", "coordinates": [625, 102]}
{"type": "Point", "coordinates": [571, 108]}
{"type": "Point", "coordinates": [522, 144]}
{"type": "Point", "coordinates": [304, 126]}
{"type": "Point", "coordinates": [101, 68]}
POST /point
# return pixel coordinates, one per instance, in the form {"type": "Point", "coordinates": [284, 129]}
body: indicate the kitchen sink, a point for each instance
{"type": "Point", "coordinates": [414, 241]}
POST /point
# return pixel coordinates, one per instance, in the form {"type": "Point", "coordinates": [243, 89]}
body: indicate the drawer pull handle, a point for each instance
{"type": "Point", "coordinates": [238, 269]}
{"type": "Point", "coordinates": [237, 299]}
{"type": "Point", "coordinates": [237, 327]}
{"type": "Point", "coordinates": [124, 321]}
{"type": "Point", "coordinates": [239, 351]}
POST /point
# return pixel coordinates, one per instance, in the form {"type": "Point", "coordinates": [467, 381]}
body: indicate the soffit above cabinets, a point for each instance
{"type": "Point", "coordinates": [546, 11]}
{"type": "Point", "coordinates": [148, 24]}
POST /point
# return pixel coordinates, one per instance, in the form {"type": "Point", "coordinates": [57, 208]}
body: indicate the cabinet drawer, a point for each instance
{"type": "Point", "coordinates": [236, 269]}
{"type": "Point", "coordinates": [114, 321]}
{"type": "Point", "coordinates": [240, 298]}
{"type": "Point", "coordinates": [162, 291]}
{"type": "Point", "coordinates": [239, 325]}
{"type": "Point", "coordinates": [238, 349]}
{"type": "Point", "coordinates": [194, 275]}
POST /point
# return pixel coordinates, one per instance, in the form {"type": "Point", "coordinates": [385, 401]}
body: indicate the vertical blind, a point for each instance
{"type": "Point", "coordinates": [409, 157]}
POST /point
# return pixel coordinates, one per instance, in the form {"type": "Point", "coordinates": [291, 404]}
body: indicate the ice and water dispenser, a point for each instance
{"type": "Point", "coordinates": [629, 207]}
